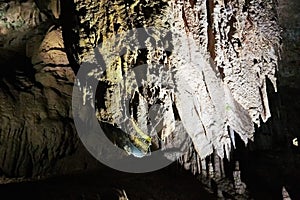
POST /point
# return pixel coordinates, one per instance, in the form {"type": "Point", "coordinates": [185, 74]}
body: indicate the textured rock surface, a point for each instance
{"type": "Point", "coordinates": [37, 132]}
{"type": "Point", "coordinates": [242, 43]}
{"type": "Point", "coordinates": [225, 50]}
{"type": "Point", "coordinates": [289, 65]}
{"type": "Point", "coordinates": [50, 51]}
{"type": "Point", "coordinates": [19, 21]}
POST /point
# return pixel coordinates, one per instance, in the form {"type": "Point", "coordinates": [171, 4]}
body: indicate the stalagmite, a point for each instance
{"type": "Point", "coordinates": [285, 194]}
{"type": "Point", "coordinates": [238, 184]}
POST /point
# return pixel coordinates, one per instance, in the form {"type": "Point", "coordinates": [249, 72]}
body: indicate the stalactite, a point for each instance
{"type": "Point", "coordinates": [214, 78]}
{"type": "Point", "coordinates": [223, 53]}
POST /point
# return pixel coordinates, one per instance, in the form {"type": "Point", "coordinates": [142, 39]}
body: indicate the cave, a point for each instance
{"type": "Point", "coordinates": [149, 99]}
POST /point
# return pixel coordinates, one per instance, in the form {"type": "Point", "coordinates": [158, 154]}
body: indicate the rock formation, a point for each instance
{"type": "Point", "coordinates": [206, 81]}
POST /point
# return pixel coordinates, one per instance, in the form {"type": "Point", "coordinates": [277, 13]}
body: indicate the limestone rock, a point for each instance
{"type": "Point", "coordinates": [51, 50]}
{"type": "Point", "coordinates": [18, 22]}
{"type": "Point", "coordinates": [224, 62]}
{"type": "Point", "coordinates": [214, 80]}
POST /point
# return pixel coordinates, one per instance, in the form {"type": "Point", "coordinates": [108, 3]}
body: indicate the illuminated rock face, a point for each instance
{"type": "Point", "coordinates": [216, 88]}
{"type": "Point", "coordinates": [218, 67]}
{"type": "Point", "coordinates": [36, 129]}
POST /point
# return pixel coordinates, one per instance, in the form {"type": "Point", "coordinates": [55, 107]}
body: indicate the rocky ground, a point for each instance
{"type": "Point", "coordinates": [170, 183]}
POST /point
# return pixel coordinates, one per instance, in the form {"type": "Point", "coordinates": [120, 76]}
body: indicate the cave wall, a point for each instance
{"type": "Point", "coordinates": [289, 66]}
{"type": "Point", "coordinates": [38, 136]}
{"type": "Point", "coordinates": [37, 132]}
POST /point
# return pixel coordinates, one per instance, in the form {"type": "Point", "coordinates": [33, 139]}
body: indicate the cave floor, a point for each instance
{"type": "Point", "coordinates": [170, 183]}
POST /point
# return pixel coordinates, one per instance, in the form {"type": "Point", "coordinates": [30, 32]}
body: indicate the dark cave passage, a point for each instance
{"type": "Point", "coordinates": [171, 183]}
